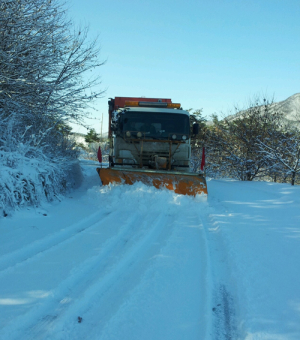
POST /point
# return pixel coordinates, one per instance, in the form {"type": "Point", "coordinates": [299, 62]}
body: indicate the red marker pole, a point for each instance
{"type": "Point", "coordinates": [99, 155]}
{"type": "Point", "coordinates": [203, 159]}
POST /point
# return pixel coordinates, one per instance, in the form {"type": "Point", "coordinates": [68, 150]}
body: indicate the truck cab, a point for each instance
{"type": "Point", "coordinates": [149, 134]}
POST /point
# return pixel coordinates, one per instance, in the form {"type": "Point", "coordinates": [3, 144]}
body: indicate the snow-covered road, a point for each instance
{"type": "Point", "coordinates": [134, 262]}
{"type": "Point", "coordinates": [131, 262]}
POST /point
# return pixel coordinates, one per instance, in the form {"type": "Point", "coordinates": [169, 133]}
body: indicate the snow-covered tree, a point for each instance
{"type": "Point", "coordinates": [281, 149]}
{"type": "Point", "coordinates": [43, 61]}
{"type": "Point", "coordinates": [43, 87]}
{"type": "Point", "coordinates": [232, 149]}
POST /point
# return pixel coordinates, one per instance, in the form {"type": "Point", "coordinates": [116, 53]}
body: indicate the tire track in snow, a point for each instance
{"type": "Point", "coordinates": [202, 220]}
{"type": "Point", "coordinates": [18, 257]}
{"type": "Point", "coordinates": [179, 293]}
{"type": "Point", "coordinates": [223, 301]}
{"type": "Point", "coordinates": [32, 323]}
{"type": "Point", "coordinates": [66, 294]}
{"type": "Point", "coordinates": [124, 271]}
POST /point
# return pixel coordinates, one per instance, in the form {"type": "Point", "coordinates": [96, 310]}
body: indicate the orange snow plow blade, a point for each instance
{"type": "Point", "coordinates": [181, 183]}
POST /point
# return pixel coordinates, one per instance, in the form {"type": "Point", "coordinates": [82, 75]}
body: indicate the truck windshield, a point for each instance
{"type": "Point", "coordinates": [156, 124]}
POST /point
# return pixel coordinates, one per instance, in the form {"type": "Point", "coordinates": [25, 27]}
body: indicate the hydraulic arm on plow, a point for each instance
{"type": "Point", "coordinates": [150, 142]}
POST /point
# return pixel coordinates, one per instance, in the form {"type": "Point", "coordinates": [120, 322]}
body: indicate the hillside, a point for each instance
{"type": "Point", "coordinates": [290, 107]}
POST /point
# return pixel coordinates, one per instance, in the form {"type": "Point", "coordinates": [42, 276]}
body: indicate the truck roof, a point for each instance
{"type": "Point", "coordinates": [119, 102]}
{"type": "Point", "coordinates": [152, 109]}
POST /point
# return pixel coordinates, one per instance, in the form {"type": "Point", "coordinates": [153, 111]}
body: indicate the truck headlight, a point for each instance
{"type": "Point", "coordinates": [139, 134]}
{"type": "Point", "coordinates": [184, 137]}
{"type": "Point", "coordinates": [174, 136]}
{"type": "Point", "coordinates": [128, 134]}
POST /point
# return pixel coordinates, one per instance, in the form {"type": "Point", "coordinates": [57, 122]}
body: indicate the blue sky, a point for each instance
{"type": "Point", "coordinates": [209, 54]}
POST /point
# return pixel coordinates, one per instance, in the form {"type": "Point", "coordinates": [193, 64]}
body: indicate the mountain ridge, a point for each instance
{"type": "Point", "coordinates": [290, 108]}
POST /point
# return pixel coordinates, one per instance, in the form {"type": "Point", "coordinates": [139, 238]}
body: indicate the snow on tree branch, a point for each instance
{"type": "Point", "coordinates": [44, 86]}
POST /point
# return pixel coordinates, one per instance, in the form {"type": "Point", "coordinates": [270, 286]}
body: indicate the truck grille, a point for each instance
{"type": "Point", "coordinates": [148, 155]}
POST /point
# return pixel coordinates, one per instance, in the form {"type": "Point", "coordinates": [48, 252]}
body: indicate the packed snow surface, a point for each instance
{"type": "Point", "coordinates": [133, 262]}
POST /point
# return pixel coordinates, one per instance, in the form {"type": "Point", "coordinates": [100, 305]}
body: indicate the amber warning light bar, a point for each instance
{"type": "Point", "coordinates": [152, 104]}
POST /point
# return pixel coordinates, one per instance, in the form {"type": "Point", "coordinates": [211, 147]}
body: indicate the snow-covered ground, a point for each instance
{"type": "Point", "coordinates": [134, 262]}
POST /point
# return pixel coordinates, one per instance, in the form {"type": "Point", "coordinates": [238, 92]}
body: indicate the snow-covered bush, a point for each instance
{"type": "Point", "coordinates": [31, 170]}
{"type": "Point", "coordinates": [281, 150]}
{"type": "Point", "coordinates": [91, 152]}
{"type": "Point", "coordinates": [196, 159]}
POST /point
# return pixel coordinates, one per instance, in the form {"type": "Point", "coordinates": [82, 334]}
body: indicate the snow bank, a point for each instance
{"type": "Point", "coordinates": [28, 177]}
{"type": "Point", "coordinates": [255, 227]}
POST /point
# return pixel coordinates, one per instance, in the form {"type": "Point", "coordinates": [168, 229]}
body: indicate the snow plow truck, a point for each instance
{"type": "Point", "coordinates": [150, 142]}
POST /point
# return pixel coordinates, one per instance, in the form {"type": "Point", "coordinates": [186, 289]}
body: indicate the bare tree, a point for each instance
{"type": "Point", "coordinates": [44, 63]}
{"type": "Point", "coordinates": [281, 148]}
{"type": "Point", "coordinates": [232, 143]}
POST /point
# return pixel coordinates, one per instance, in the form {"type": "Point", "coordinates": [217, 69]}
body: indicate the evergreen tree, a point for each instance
{"type": "Point", "coordinates": [92, 137]}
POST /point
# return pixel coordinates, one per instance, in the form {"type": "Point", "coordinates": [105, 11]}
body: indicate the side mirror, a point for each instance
{"type": "Point", "coordinates": [195, 129]}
